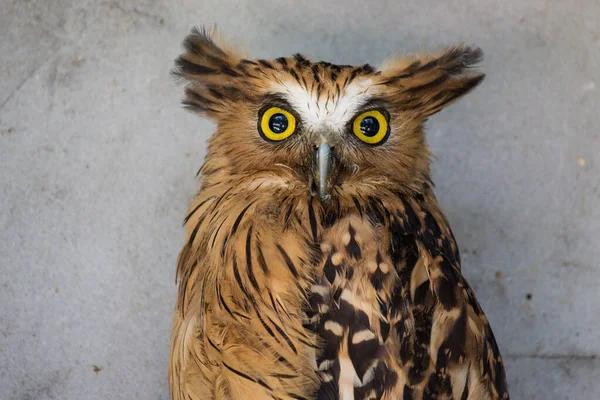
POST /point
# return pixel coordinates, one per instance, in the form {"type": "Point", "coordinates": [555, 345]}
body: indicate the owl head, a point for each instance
{"type": "Point", "coordinates": [318, 125]}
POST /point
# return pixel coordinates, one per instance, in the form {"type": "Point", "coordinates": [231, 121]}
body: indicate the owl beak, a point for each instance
{"type": "Point", "coordinates": [323, 166]}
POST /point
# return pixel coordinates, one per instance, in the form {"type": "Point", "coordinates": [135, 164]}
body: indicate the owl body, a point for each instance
{"type": "Point", "coordinates": [317, 262]}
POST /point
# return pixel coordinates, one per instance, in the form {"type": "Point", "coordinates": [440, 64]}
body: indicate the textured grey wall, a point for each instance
{"type": "Point", "coordinates": [97, 164]}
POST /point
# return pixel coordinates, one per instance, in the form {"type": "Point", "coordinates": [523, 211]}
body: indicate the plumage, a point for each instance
{"type": "Point", "coordinates": [332, 276]}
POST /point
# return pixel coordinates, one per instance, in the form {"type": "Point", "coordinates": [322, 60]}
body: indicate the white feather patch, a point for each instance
{"type": "Point", "coordinates": [320, 114]}
{"type": "Point", "coordinates": [348, 379]}
{"type": "Point", "coordinates": [362, 336]}
{"type": "Point", "coordinates": [334, 328]}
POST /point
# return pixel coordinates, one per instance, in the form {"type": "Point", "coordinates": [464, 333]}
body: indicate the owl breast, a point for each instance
{"type": "Point", "coordinates": [394, 316]}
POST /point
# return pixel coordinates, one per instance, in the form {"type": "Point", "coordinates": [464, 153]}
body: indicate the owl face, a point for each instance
{"type": "Point", "coordinates": [320, 125]}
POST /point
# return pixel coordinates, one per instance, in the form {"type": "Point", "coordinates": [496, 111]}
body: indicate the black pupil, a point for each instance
{"type": "Point", "coordinates": [278, 123]}
{"type": "Point", "coordinates": [369, 126]}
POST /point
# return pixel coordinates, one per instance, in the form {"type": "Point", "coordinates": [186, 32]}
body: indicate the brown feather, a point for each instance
{"type": "Point", "coordinates": [283, 296]}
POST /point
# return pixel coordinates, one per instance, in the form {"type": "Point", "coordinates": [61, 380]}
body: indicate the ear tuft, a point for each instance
{"type": "Point", "coordinates": [209, 68]}
{"type": "Point", "coordinates": [427, 84]}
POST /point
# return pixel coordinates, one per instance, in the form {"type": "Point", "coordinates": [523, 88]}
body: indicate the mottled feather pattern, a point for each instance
{"type": "Point", "coordinates": [285, 296]}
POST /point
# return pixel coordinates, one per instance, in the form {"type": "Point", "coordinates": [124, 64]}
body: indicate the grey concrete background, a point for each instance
{"type": "Point", "coordinates": [97, 164]}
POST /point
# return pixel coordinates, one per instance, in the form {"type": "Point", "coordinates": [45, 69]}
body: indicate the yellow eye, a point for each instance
{"type": "Point", "coordinates": [276, 124]}
{"type": "Point", "coordinates": [371, 127]}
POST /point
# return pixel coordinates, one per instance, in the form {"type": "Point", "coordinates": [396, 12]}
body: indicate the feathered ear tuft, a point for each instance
{"type": "Point", "coordinates": [210, 71]}
{"type": "Point", "coordinates": [427, 84]}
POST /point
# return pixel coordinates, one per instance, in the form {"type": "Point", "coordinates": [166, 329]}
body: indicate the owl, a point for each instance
{"type": "Point", "coordinates": [317, 262]}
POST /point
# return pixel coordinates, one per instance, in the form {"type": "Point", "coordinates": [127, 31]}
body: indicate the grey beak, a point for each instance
{"type": "Point", "coordinates": [323, 163]}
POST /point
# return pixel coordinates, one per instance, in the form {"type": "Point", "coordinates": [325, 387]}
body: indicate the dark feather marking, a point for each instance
{"type": "Point", "coordinates": [236, 224]}
{"type": "Point", "coordinates": [329, 218]}
{"type": "Point", "coordinates": [362, 354]}
{"type": "Point", "coordinates": [430, 85]}
{"type": "Point", "coordinates": [222, 301]}
{"type": "Point", "coordinates": [421, 293]}
{"type": "Point", "coordinates": [413, 66]}
{"type": "Point", "coordinates": [224, 246]}
{"type": "Point", "coordinates": [432, 232]}
{"type": "Point", "coordinates": [230, 72]}
{"type": "Point", "coordinates": [249, 260]}
{"type": "Point", "coordinates": [304, 82]}
{"type": "Point", "coordinates": [444, 287]}
{"type": "Point", "coordinates": [384, 328]}
{"type": "Point", "coordinates": [282, 359]}
{"type": "Point", "coordinates": [319, 90]}
{"type": "Point", "coordinates": [260, 382]}
{"type": "Point", "coordinates": [434, 63]}
{"type": "Point", "coordinates": [216, 94]}
{"type": "Point", "coordinates": [314, 301]}
{"type": "Point", "coordinates": [267, 328]}
{"type": "Point", "coordinates": [465, 393]}
{"type": "Point", "coordinates": [307, 344]}
{"type": "Point", "coordinates": [301, 60]}
{"type": "Point", "coordinates": [221, 197]}
{"type": "Point", "coordinates": [266, 64]}
{"type": "Point", "coordinates": [211, 171]}
{"type": "Point", "coordinates": [212, 344]}
{"type": "Point", "coordinates": [353, 75]}
{"type": "Point", "coordinates": [383, 381]}
{"type": "Point", "coordinates": [373, 211]}
{"type": "Point", "coordinates": [449, 252]}
{"type": "Point", "coordinates": [195, 231]}
{"type": "Point", "coordinates": [368, 69]}
{"type": "Point", "coordinates": [394, 79]}
{"type": "Point", "coordinates": [315, 71]}
{"type": "Point", "coordinates": [289, 213]}
{"type": "Point", "coordinates": [407, 394]}
{"type": "Point", "coordinates": [453, 348]}
{"type": "Point", "coordinates": [283, 335]}
{"type": "Point", "coordinates": [312, 219]}
{"type": "Point", "coordinates": [500, 378]}
{"type": "Point", "coordinates": [295, 396]}
{"type": "Point", "coordinates": [197, 107]}
{"type": "Point", "coordinates": [274, 305]}
{"type": "Point", "coordinates": [189, 68]}
{"type": "Point", "coordinates": [192, 95]}
{"type": "Point", "coordinates": [201, 36]}
{"type": "Point", "coordinates": [410, 217]}
{"type": "Point", "coordinates": [283, 376]}
{"type": "Point", "coordinates": [261, 260]}
{"type": "Point", "coordinates": [288, 261]}
{"type": "Point", "coordinates": [236, 274]}
{"type": "Point", "coordinates": [328, 390]}
{"type": "Point", "coordinates": [485, 360]}
{"type": "Point", "coordinates": [345, 82]}
{"type": "Point", "coordinates": [329, 270]}
{"type": "Point", "coordinates": [358, 206]}
{"type": "Point", "coordinates": [449, 95]}
{"type": "Point", "coordinates": [377, 278]}
{"type": "Point", "coordinates": [216, 233]}
{"type": "Point", "coordinates": [352, 247]}
{"type": "Point", "coordinates": [296, 77]}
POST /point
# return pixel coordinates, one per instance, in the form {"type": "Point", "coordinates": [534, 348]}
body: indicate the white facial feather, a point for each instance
{"type": "Point", "coordinates": [326, 113]}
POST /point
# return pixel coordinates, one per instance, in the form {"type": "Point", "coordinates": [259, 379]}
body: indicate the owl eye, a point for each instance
{"type": "Point", "coordinates": [371, 127]}
{"type": "Point", "coordinates": [276, 124]}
